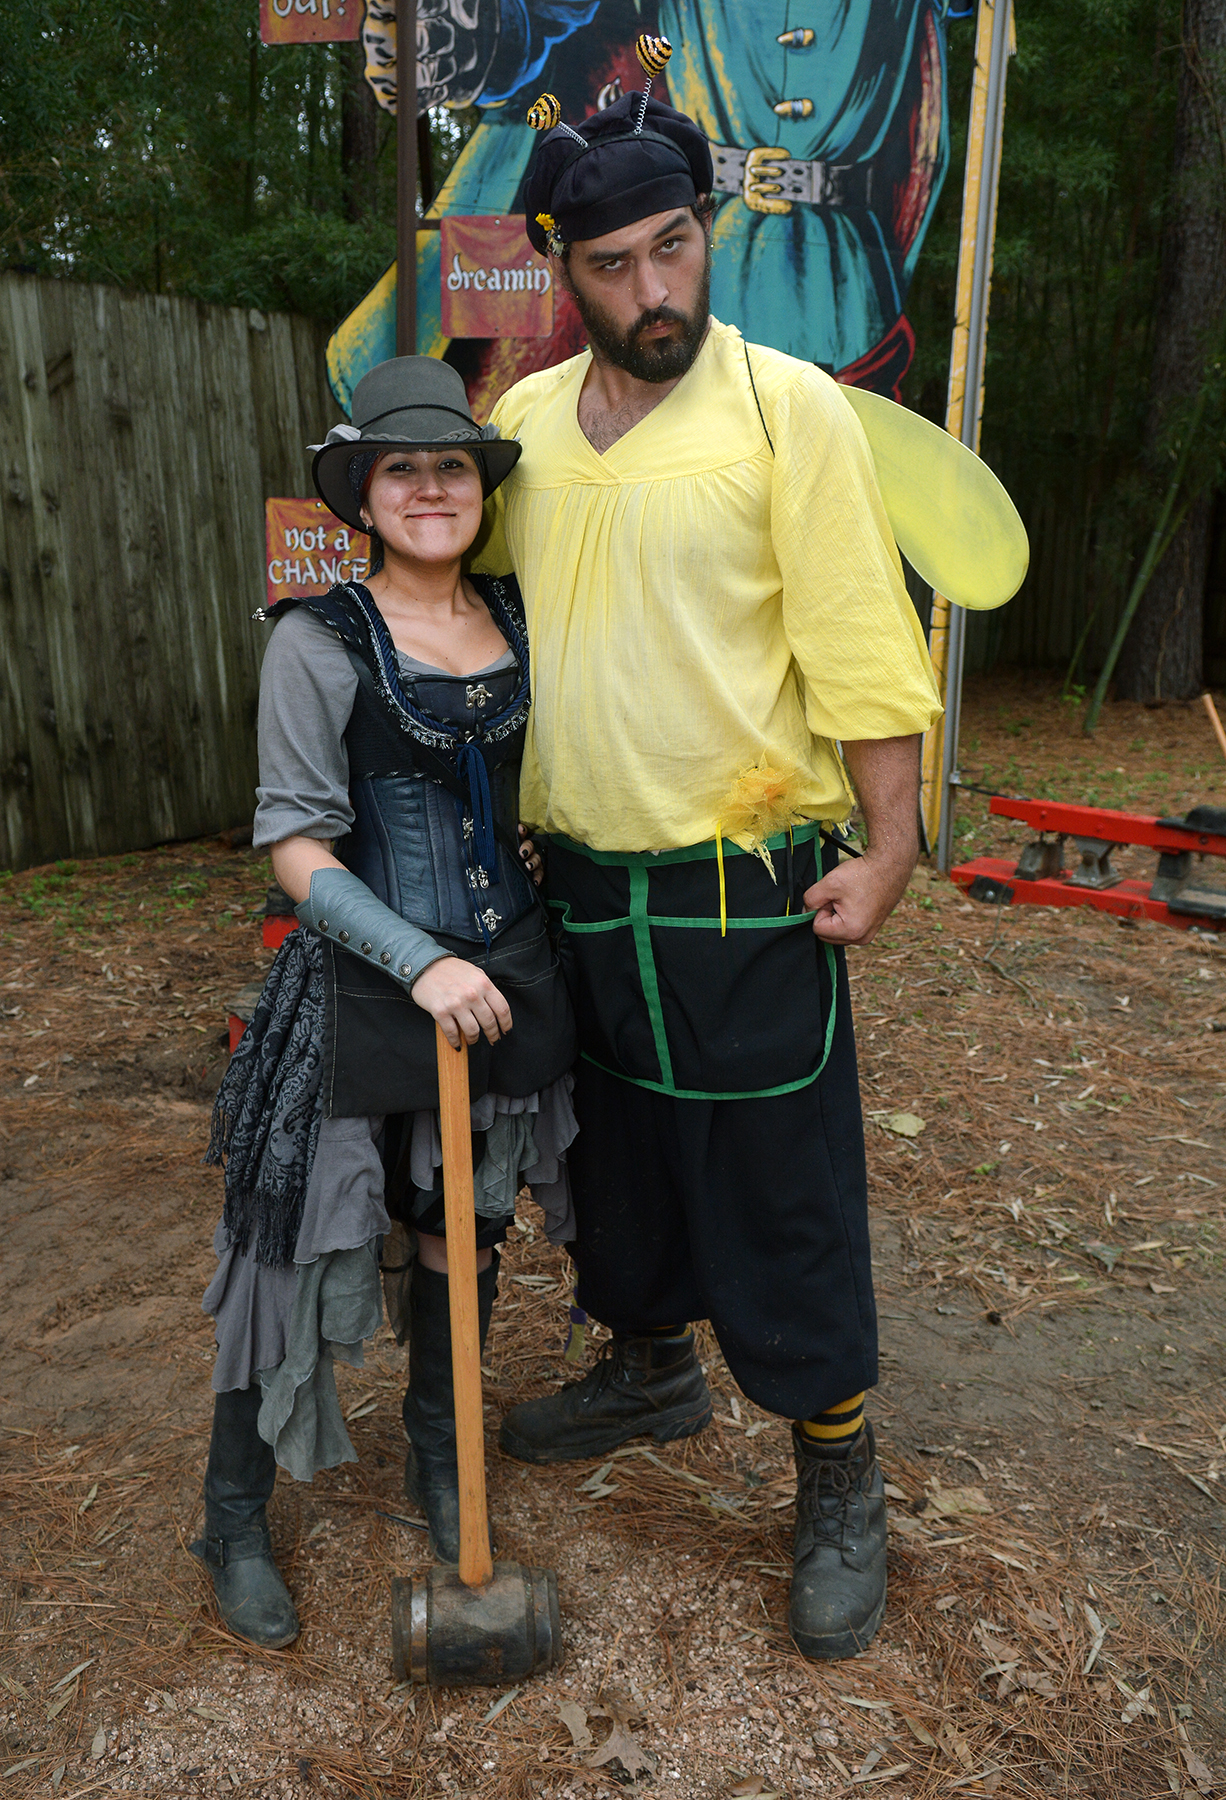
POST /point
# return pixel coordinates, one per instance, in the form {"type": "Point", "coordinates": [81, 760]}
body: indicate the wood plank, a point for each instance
{"type": "Point", "coordinates": [53, 812]}
{"type": "Point", "coordinates": [135, 460]}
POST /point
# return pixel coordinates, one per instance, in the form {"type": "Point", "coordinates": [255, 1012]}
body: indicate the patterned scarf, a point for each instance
{"type": "Point", "coordinates": [266, 1116]}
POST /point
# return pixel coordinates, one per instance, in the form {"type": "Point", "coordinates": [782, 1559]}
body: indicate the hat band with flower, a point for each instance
{"type": "Point", "coordinates": [418, 402]}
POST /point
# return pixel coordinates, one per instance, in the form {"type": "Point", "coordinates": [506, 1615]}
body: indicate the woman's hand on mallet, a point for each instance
{"type": "Point", "coordinates": [463, 1001]}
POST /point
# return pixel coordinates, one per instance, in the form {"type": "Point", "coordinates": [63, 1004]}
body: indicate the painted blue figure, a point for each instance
{"type": "Point", "coordinates": [829, 129]}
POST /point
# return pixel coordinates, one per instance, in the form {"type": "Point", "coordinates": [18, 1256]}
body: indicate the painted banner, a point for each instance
{"type": "Point", "coordinates": [494, 285]}
{"type": "Point", "coordinates": [310, 21]}
{"type": "Point", "coordinates": [854, 96]}
{"type": "Point", "coordinates": [310, 549]}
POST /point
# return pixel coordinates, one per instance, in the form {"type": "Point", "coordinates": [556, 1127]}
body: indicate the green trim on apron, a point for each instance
{"type": "Point", "coordinates": [782, 922]}
{"type": "Point", "coordinates": [641, 921]}
{"type": "Point", "coordinates": [647, 973]}
{"type": "Point", "coordinates": [676, 1093]}
{"type": "Point", "coordinates": [655, 859]}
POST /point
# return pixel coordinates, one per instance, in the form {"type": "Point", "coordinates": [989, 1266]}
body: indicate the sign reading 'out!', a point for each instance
{"type": "Point", "coordinates": [494, 283]}
{"type": "Point", "coordinates": [310, 549]}
{"type": "Point", "coordinates": [310, 21]}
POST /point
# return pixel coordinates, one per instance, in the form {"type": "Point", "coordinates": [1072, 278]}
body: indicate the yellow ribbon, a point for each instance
{"type": "Point", "coordinates": [723, 892]}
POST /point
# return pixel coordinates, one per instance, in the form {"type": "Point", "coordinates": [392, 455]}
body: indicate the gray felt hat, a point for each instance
{"type": "Point", "coordinates": [415, 401]}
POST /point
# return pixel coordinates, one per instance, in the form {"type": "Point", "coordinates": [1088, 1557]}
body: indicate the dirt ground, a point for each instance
{"type": "Point", "coordinates": [1051, 1283]}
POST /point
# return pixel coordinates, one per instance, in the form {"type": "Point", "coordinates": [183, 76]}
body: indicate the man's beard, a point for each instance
{"type": "Point", "coordinates": [660, 359]}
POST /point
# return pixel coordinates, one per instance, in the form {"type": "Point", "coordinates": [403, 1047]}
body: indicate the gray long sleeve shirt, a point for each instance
{"type": "Point", "coordinates": [307, 689]}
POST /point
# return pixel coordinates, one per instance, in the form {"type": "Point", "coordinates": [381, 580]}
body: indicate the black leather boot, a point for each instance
{"type": "Point", "coordinates": [431, 1477]}
{"type": "Point", "coordinates": [638, 1387]}
{"type": "Point", "coordinates": [838, 1572]}
{"type": "Point", "coordinates": [252, 1599]}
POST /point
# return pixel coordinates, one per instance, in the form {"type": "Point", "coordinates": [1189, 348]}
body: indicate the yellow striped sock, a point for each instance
{"type": "Point", "coordinates": [838, 1426]}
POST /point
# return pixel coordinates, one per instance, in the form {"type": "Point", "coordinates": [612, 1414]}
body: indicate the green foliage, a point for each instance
{"type": "Point", "coordinates": [166, 149]}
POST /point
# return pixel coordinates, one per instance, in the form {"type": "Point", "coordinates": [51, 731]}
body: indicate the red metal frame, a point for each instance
{"type": "Point", "coordinates": [1102, 822]}
{"type": "Point", "coordinates": [277, 927]}
{"type": "Point", "coordinates": [1128, 898]}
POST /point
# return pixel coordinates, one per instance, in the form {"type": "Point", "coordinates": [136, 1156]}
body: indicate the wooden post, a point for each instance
{"type": "Point", "coordinates": [993, 47]}
{"type": "Point", "coordinates": [406, 178]}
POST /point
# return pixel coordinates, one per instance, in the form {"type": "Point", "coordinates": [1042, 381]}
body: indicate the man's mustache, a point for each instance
{"type": "Point", "coordinates": [663, 315]}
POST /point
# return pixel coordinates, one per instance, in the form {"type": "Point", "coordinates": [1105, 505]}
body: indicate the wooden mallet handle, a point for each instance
{"type": "Point", "coordinates": [476, 1565]}
{"type": "Point", "coordinates": [1211, 709]}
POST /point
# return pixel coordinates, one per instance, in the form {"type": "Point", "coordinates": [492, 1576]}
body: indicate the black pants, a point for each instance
{"type": "Point", "coordinates": [750, 1213]}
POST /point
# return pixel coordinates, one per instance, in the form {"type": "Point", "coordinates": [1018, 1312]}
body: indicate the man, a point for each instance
{"type": "Point", "coordinates": [715, 604]}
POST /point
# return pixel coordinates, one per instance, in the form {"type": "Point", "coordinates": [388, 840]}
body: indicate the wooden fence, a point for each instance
{"type": "Point", "coordinates": [139, 438]}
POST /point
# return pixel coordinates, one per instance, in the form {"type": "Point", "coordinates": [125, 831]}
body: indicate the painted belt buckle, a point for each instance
{"type": "Point", "coordinates": [761, 188]}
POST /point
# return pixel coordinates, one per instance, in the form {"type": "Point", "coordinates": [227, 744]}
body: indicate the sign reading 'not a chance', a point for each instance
{"type": "Point", "coordinates": [310, 549]}
{"type": "Point", "coordinates": [494, 285]}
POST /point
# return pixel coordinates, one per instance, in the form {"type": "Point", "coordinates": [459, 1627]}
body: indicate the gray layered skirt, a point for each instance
{"type": "Point", "coordinates": [285, 1325]}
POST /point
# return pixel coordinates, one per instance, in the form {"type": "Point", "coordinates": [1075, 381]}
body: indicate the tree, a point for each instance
{"type": "Point", "coordinates": [1162, 656]}
{"type": "Point", "coordinates": [154, 147]}
{"type": "Point", "coordinates": [1089, 121]}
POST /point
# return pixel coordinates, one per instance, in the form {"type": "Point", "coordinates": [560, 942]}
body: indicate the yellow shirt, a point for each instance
{"type": "Point", "coordinates": [695, 603]}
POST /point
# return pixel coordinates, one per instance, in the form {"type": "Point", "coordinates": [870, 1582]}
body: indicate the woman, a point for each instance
{"type": "Point", "coordinates": [391, 723]}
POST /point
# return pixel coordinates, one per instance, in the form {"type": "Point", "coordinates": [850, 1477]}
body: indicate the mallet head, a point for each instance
{"type": "Point", "coordinates": [451, 1635]}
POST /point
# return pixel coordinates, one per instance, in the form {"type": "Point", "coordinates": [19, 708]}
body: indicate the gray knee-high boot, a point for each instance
{"type": "Point", "coordinates": [431, 1478]}
{"type": "Point", "coordinates": [252, 1599]}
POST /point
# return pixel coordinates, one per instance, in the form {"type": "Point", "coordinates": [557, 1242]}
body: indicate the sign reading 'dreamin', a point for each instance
{"type": "Point", "coordinates": [310, 21]}
{"type": "Point", "coordinates": [494, 283]}
{"type": "Point", "coordinates": [310, 549]}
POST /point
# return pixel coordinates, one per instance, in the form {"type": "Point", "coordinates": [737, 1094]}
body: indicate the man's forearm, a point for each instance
{"type": "Point", "coordinates": [885, 774]}
{"type": "Point", "coordinates": [853, 901]}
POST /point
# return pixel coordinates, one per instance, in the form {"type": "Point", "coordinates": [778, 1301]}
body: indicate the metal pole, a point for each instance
{"type": "Point", "coordinates": [947, 632]}
{"type": "Point", "coordinates": [406, 177]}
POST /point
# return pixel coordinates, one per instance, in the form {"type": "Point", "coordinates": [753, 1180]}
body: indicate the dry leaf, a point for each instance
{"type": "Point", "coordinates": [1038, 1684]}
{"type": "Point", "coordinates": [64, 1679]}
{"type": "Point", "coordinates": [1138, 1704]}
{"type": "Point", "coordinates": [903, 1124]}
{"type": "Point", "coordinates": [919, 1732]}
{"type": "Point", "coordinates": [956, 1746]}
{"type": "Point", "coordinates": [574, 1717]}
{"type": "Point", "coordinates": [950, 1502]}
{"type": "Point", "coordinates": [622, 1747]}
{"type": "Point", "coordinates": [945, 1602]}
{"type": "Point", "coordinates": [98, 1748]}
{"type": "Point", "coordinates": [1197, 1768]}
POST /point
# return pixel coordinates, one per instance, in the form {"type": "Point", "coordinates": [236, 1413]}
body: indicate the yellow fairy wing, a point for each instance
{"type": "Point", "coordinates": [953, 521]}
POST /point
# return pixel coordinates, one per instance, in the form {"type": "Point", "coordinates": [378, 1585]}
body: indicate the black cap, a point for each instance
{"type": "Point", "coordinates": [622, 174]}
